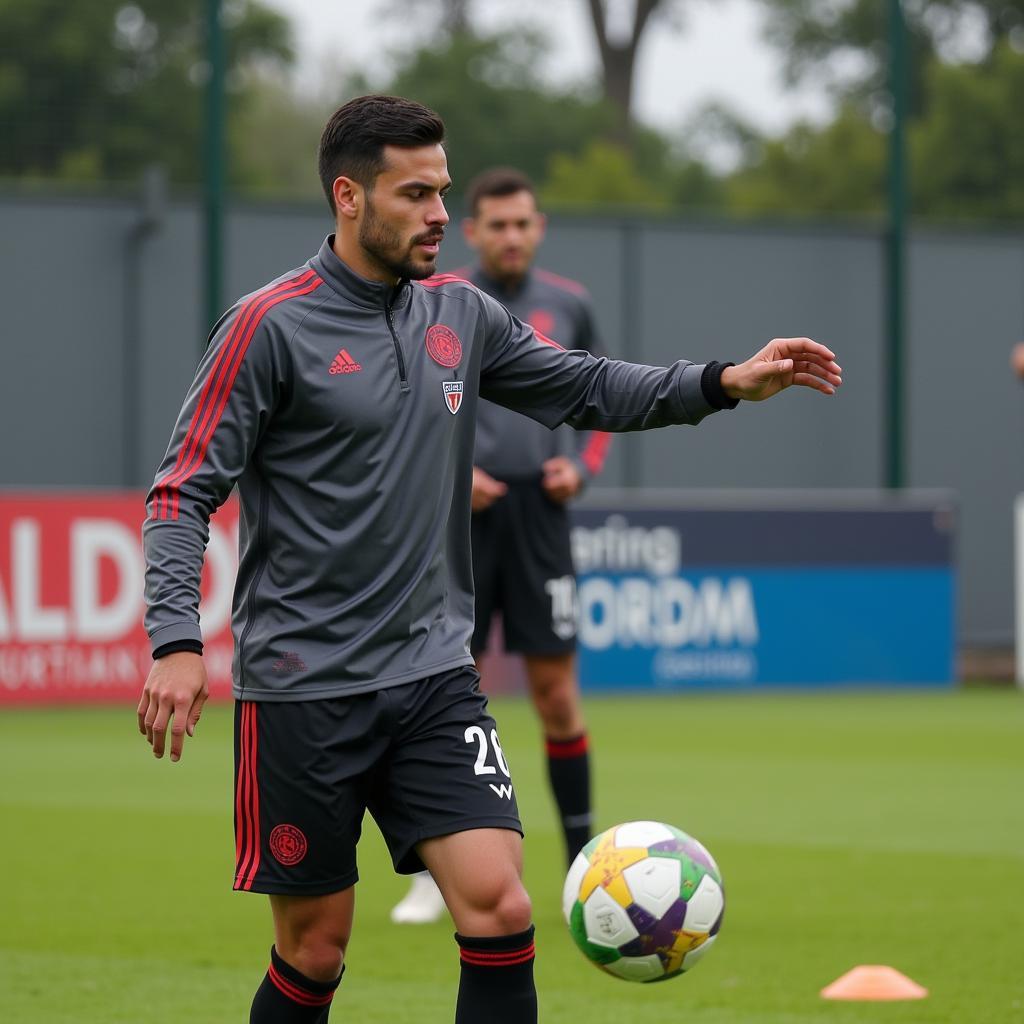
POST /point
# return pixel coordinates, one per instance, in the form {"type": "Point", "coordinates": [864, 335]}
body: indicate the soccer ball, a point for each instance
{"type": "Point", "coordinates": [644, 901]}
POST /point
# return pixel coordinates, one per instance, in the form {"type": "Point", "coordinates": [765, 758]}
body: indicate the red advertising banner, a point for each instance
{"type": "Point", "coordinates": [71, 597]}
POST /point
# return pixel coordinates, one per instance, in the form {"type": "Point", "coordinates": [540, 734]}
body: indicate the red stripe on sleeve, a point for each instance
{"type": "Point", "coordinates": [595, 451]}
{"type": "Point", "coordinates": [217, 388]}
{"type": "Point", "coordinates": [236, 365]}
{"type": "Point", "coordinates": [212, 382]}
{"type": "Point", "coordinates": [439, 279]}
{"type": "Point", "coordinates": [567, 283]}
{"type": "Point", "coordinates": [547, 341]}
{"type": "Point", "coordinates": [230, 372]}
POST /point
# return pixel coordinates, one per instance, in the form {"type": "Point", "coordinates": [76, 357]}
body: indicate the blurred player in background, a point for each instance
{"type": "Point", "coordinates": [523, 475]}
{"type": "Point", "coordinates": [341, 399]}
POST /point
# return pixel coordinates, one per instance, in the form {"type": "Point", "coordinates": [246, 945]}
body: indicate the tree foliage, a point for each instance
{"type": "Point", "coordinates": [618, 31]}
{"type": "Point", "coordinates": [498, 111]}
{"type": "Point", "coordinates": [835, 170]}
{"type": "Point", "coordinates": [495, 109]}
{"type": "Point", "coordinates": [968, 91]}
{"type": "Point", "coordinates": [619, 56]}
{"type": "Point", "coordinates": [845, 42]}
{"type": "Point", "coordinates": [966, 158]}
{"type": "Point", "coordinates": [100, 89]}
{"type": "Point", "coordinates": [967, 155]}
{"type": "Point", "coordinates": [273, 138]}
{"type": "Point", "coordinates": [604, 174]}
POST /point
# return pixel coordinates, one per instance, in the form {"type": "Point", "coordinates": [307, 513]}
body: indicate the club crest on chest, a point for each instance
{"type": "Point", "coordinates": [452, 395]}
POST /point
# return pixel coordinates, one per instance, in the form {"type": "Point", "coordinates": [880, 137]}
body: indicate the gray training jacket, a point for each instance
{"type": "Point", "coordinates": [344, 411]}
{"type": "Point", "coordinates": [508, 446]}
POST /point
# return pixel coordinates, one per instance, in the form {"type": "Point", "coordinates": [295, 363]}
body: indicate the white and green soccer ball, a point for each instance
{"type": "Point", "coordinates": [644, 901]}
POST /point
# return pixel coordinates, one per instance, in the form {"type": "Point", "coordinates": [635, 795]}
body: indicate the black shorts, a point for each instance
{"type": "Point", "coordinates": [422, 757]}
{"type": "Point", "coordinates": [522, 568]}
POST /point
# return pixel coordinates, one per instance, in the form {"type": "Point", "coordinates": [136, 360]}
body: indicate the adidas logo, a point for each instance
{"type": "Point", "coordinates": [344, 363]}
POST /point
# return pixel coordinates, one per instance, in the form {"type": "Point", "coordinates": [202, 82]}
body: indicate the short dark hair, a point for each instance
{"type": "Point", "coordinates": [353, 140]}
{"type": "Point", "coordinates": [498, 181]}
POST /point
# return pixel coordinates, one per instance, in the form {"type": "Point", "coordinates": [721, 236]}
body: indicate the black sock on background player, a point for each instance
{"type": "Point", "coordinates": [287, 996]}
{"type": "Point", "coordinates": [496, 985]}
{"type": "Point", "coordinates": [569, 774]}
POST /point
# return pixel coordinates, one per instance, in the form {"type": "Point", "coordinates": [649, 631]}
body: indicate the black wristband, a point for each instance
{"type": "Point", "coordinates": [174, 646]}
{"type": "Point", "coordinates": [711, 385]}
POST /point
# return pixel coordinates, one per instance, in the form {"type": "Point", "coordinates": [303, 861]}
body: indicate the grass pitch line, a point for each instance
{"type": "Point", "coordinates": [873, 982]}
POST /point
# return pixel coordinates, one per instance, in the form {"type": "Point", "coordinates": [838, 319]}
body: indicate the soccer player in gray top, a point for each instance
{"type": "Point", "coordinates": [523, 475]}
{"type": "Point", "coordinates": [341, 401]}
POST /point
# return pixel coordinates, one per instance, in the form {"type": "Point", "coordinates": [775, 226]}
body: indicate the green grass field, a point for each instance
{"type": "Point", "coordinates": [850, 828]}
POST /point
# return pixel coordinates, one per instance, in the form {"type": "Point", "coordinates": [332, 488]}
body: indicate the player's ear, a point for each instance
{"type": "Point", "coordinates": [348, 197]}
{"type": "Point", "coordinates": [542, 226]}
{"type": "Point", "coordinates": [469, 231]}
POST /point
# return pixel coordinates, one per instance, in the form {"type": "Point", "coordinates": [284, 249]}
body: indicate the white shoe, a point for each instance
{"type": "Point", "coordinates": [422, 904]}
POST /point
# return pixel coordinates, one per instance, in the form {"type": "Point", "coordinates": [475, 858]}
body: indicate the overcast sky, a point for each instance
{"type": "Point", "coordinates": [717, 54]}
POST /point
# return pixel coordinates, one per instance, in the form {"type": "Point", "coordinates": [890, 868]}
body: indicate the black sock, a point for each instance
{"type": "Point", "coordinates": [496, 986]}
{"type": "Point", "coordinates": [287, 996]}
{"type": "Point", "coordinates": [569, 772]}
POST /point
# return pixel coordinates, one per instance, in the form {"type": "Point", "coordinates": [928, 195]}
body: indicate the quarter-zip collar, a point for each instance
{"type": "Point", "coordinates": [346, 282]}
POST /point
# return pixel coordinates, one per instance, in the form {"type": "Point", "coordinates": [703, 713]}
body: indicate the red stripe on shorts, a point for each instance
{"type": "Point", "coordinates": [247, 803]}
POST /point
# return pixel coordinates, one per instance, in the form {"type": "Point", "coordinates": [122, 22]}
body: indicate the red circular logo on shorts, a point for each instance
{"type": "Point", "coordinates": [443, 345]}
{"type": "Point", "coordinates": [288, 844]}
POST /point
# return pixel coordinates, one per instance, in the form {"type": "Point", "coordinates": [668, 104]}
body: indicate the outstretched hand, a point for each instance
{"type": "Point", "coordinates": [780, 364]}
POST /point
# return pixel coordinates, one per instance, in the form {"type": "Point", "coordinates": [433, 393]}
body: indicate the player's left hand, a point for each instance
{"type": "Point", "coordinates": [562, 480]}
{"type": "Point", "coordinates": [780, 364]}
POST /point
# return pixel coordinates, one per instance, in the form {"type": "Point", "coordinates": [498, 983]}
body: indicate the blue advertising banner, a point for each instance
{"type": "Point", "coordinates": [706, 597]}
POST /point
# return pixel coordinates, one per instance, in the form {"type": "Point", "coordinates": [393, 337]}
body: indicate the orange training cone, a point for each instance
{"type": "Point", "coordinates": [873, 982]}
